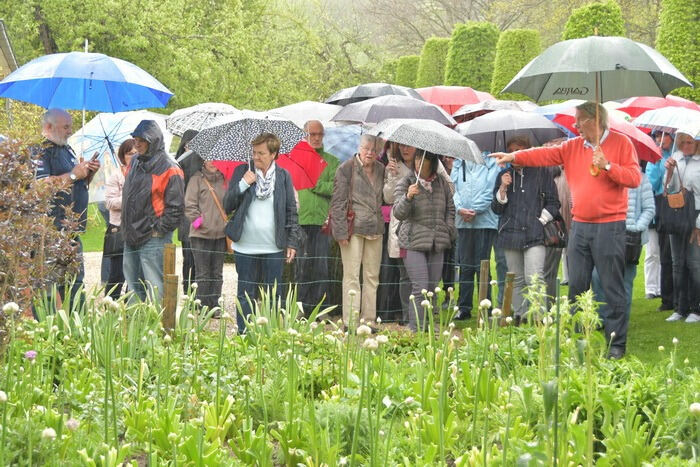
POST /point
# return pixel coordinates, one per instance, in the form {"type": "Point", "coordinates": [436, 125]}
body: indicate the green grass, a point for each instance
{"type": "Point", "coordinates": [647, 330]}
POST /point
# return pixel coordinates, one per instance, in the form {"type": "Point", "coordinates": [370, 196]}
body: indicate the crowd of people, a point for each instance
{"type": "Point", "coordinates": [404, 219]}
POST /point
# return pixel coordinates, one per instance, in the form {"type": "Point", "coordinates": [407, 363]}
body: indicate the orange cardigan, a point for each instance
{"type": "Point", "coordinates": [595, 199]}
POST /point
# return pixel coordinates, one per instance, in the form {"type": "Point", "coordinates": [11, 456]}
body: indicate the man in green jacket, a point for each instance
{"type": "Point", "coordinates": [312, 257]}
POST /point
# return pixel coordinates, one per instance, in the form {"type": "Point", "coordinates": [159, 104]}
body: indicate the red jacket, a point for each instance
{"type": "Point", "coordinates": [595, 199]}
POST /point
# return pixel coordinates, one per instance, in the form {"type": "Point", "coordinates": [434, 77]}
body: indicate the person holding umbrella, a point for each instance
{"type": "Point", "coordinates": [424, 207]}
{"type": "Point", "coordinates": [58, 164]}
{"type": "Point", "coordinates": [597, 236]}
{"type": "Point", "coordinates": [264, 226]}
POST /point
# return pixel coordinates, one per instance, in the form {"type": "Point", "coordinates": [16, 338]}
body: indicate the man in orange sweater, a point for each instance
{"type": "Point", "coordinates": [599, 166]}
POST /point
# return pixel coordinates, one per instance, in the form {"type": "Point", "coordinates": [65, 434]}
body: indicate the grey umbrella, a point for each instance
{"type": "Point", "coordinates": [302, 112]}
{"type": "Point", "coordinates": [428, 135]}
{"type": "Point", "coordinates": [230, 139]}
{"type": "Point", "coordinates": [380, 108]}
{"type": "Point", "coordinates": [368, 91]}
{"type": "Point", "coordinates": [491, 131]}
{"type": "Point", "coordinates": [617, 67]}
{"type": "Point", "coordinates": [198, 117]}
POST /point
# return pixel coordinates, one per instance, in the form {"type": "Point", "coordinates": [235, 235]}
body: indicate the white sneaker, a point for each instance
{"type": "Point", "coordinates": [675, 317]}
{"type": "Point", "coordinates": [693, 318]}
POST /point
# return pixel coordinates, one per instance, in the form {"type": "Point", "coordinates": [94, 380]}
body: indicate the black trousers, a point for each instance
{"type": "Point", "coordinates": [209, 266]}
{"type": "Point", "coordinates": [311, 267]}
{"type": "Point", "coordinates": [666, 260]}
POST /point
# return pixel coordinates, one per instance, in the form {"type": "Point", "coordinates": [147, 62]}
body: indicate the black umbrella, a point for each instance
{"type": "Point", "coordinates": [368, 91]}
{"type": "Point", "coordinates": [380, 108]}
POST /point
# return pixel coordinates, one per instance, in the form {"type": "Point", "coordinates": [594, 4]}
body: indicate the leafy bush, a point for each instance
{"type": "Point", "coordinates": [406, 70]}
{"type": "Point", "coordinates": [516, 47]}
{"type": "Point", "coordinates": [677, 40]}
{"type": "Point", "coordinates": [471, 55]}
{"type": "Point", "coordinates": [607, 17]}
{"type": "Point", "coordinates": [431, 70]}
{"type": "Point", "coordinates": [387, 73]}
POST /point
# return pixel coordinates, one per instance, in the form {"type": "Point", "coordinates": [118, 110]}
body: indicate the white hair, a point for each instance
{"type": "Point", "coordinates": [51, 115]}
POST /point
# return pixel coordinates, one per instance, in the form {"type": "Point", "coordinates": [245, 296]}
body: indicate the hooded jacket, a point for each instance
{"type": "Point", "coordinates": [199, 201]}
{"type": "Point", "coordinates": [153, 198]}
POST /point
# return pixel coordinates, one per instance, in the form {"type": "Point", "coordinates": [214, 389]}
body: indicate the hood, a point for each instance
{"type": "Point", "coordinates": [150, 131]}
{"type": "Point", "coordinates": [186, 138]}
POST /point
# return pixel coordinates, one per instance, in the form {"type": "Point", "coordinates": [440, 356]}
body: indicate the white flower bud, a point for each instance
{"type": "Point", "coordinates": [370, 344]}
{"type": "Point", "coordinates": [661, 348]}
{"type": "Point", "coordinates": [72, 424]}
{"type": "Point", "coordinates": [10, 307]}
{"type": "Point", "coordinates": [364, 330]}
{"type": "Point", "coordinates": [167, 339]}
{"type": "Point", "coordinates": [437, 289]}
{"type": "Point", "coordinates": [352, 292]}
{"type": "Point", "coordinates": [509, 319]}
{"type": "Point", "coordinates": [423, 291]}
{"type": "Point", "coordinates": [48, 433]}
{"type": "Point", "coordinates": [382, 339]}
{"type": "Point", "coordinates": [485, 303]}
{"type": "Point", "coordinates": [3, 394]}
{"type": "Point", "coordinates": [409, 400]}
{"type": "Point", "coordinates": [675, 341]}
{"type": "Point", "coordinates": [194, 286]}
{"type": "Point", "coordinates": [379, 320]}
{"type": "Point", "coordinates": [496, 313]}
{"type": "Point", "coordinates": [493, 282]}
{"type": "Point", "coordinates": [430, 294]}
{"type": "Point", "coordinates": [695, 409]}
{"type": "Point", "coordinates": [425, 303]}
{"type": "Point", "coordinates": [261, 321]}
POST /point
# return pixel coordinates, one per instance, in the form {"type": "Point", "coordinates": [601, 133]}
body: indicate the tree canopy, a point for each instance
{"type": "Point", "coordinates": [406, 70]}
{"type": "Point", "coordinates": [516, 47]}
{"type": "Point", "coordinates": [602, 19]}
{"type": "Point", "coordinates": [471, 55]}
{"type": "Point", "coordinates": [677, 40]}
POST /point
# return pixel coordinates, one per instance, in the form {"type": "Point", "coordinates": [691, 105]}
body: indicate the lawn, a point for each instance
{"type": "Point", "coordinates": [648, 329]}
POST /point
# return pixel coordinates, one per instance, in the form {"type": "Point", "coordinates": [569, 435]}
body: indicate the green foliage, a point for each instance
{"type": "Point", "coordinates": [516, 47]}
{"type": "Point", "coordinates": [607, 17]}
{"type": "Point", "coordinates": [387, 74]}
{"type": "Point", "coordinates": [406, 70]}
{"type": "Point", "coordinates": [431, 70]}
{"type": "Point", "coordinates": [677, 40]}
{"type": "Point", "coordinates": [471, 55]}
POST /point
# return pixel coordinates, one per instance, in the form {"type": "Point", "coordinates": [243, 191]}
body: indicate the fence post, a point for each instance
{"type": "Point", "coordinates": [508, 294]}
{"type": "Point", "coordinates": [170, 282]}
{"type": "Point", "coordinates": [484, 280]}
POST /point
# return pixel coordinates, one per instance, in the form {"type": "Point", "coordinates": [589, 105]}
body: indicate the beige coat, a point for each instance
{"type": "Point", "coordinates": [366, 200]}
{"type": "Point", "coordinates": [199, 202]}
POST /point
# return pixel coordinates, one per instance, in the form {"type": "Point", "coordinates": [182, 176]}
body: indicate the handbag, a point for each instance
{"type": "Point", "coordinates": [229, 242]}
{"type": "Point", "coordinates": [633, 247]}
{"type": "Point", "coordinates": [327, 227]}
{"type": "Point", "coordinates": [676, 211]}
{"type": "Point", "coordinates": [114, 241]}
{"type": "Point", "coordinates": [555, 234]}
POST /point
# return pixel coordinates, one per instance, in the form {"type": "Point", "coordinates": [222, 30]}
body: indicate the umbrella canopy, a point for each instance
{"type": "Point", "coordinates": [635, 106]}
{"type": "Point", "coordinates": [492, 131]}
{"type": "Point", "coordinates": [368, 91]}
{"type": "Point", "coordinates": [103, 135]}
{"type": "Point", "coordinates": [471, 111]}
{"type": "Point", "coordinates": [342, 141]}
{"type": "Point", "coordinates": [644, 145]}
{"type": "Point", "coordinates": [428, 135]}
{"type": "Point", "coordinates": [380, 108]}
{"type": "Point", "coordinates": [451, 98]}
{"type": "Point", "coordinates": [302, 112]}
{"type": "Point", "coordinates": [230, 138]}
{"type": "Point", "coordinates": [304, 165]}
{"type": "Point", "coordinates": [84, 81]}
{"type": "Point", "coordinates": [668, 119]}
{"type": "Point", "coordinates": [621, 67]}
{"type": "Point", "coordinates": [198, 117]}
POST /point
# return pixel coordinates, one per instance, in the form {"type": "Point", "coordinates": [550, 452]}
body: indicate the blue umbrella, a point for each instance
{"type": "Point", "coordinates": [84, 81]}
{"type": "Point", "coordinates": [342, 141]}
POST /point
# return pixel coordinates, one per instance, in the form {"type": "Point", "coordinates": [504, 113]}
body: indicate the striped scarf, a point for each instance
{"type": "Point", "coordinates": [265, 184]}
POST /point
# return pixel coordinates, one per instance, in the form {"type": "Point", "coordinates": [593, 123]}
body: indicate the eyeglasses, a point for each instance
{"type": "Point", "coordinates": [315, 135]}
{"type": "Point", "coordinates": [683, 143]}
{"type": "Point", "coordinates": [578, 123]}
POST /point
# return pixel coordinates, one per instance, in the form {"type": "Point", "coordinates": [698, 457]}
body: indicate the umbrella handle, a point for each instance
{"type": "Point", "coordinates": [594, 170]}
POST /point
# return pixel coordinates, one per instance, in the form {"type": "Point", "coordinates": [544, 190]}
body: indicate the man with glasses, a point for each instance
{"type": "Point", "coordinates": [312, 259]}
{"type": "Point", "coordinates": [599, 166]}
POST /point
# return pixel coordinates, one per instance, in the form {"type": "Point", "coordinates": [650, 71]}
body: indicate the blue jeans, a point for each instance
{"type": "Point", "coordinates": [255, 271]}
{"type": "Point", "coordinates": [474, 245]}
{"type": "Point", "coordinates": [143, 267]}
{"type": "Point", "coordinates": [630, 274]}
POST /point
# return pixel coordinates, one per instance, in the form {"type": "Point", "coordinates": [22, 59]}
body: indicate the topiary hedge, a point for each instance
{"type": "Point", "coordinates": [406, 70]}
{"type": "Point", "coordinates": [387, 73]}
{"type": "Point", "coordinates": [606, 17]}
{"type": "Point", "coordinates": [471, 55]}
{"type": "Point", "coordinates": [516, 47]}
{"type": "Point", "coordinates": [677, 40]}
{"type": "Point", "coordinates": [431, 70]}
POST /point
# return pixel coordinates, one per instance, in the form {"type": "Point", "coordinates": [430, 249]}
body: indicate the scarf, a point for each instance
{"type": "Point", "coordinates": [427, 184]}
{"type": "Point", "coordinates": [265, 184]}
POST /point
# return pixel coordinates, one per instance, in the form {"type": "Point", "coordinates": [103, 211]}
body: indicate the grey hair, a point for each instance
{"type": "Point", "coordinates": [367, 138]}
{"type": "Point", "coordinates": [589, 109]}
{"type": "Point", "coordinates": [49, 117]}
{"type": "Point", "coordinates": [306, 125]}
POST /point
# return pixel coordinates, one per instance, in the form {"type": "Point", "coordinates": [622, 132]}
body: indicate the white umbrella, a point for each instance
{"type": "Point", "coordinates": [668, 119]}
{"type": "Point", "coordinates": [198, 117]}
{"type": "Point", "coordinates": [428, 135]}
{"type": "Point", "coordinates": [480, 108]}
{"type": "Point", "coordinates": [302, 112]}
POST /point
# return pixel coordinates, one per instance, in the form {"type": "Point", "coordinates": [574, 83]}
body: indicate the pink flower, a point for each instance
{"type": "Point", "coordinates": [30, 354]}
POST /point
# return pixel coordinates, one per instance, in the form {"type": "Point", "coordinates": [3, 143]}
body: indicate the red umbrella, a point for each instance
{"type": "Point", "coordinates": [646, 147]}
{"type": "Point", "coordinates": [304, 164]}
{"type": "Point", "coordinates": [451, 98]}
{"type": "Point", "coordinates": [635, 106]}
{"type": "Point", "coordinates": [227, 167]}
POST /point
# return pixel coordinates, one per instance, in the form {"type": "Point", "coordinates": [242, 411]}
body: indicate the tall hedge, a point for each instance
{"type": "Point", "coordinates": [607, 17]}
{"type": "Point", "coordinates": [677, 40]}
{"type": "Point", "coordinates": [516, 47]}
{"type": "Point", "coordinates": [431, 70]}
{"type": "Point", "coordinates": [406, 70]}
{"type": "Point", "coordinates": [387, 73]}
{"type": "Point", "coordinates": [471, 55]}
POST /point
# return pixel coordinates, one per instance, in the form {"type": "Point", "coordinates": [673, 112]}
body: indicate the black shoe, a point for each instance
{"type": "Point", "coordinates": [665, 307]}
{"type": "Point", "coordinates": [616, 353]}
{"type": "Point", "coordinates": [651, 296]}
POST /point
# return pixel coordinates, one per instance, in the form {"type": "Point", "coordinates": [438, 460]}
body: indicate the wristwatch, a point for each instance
{"type": "Point", "coordinates": [72, 177]}
{"type": "Point", "coordinates": [607, 166]}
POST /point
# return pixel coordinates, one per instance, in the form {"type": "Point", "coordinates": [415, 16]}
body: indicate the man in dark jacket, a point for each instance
{"type": "Point", "coordinates": [152, 206]}
{"type": "Point", "coordinates": [58, 164]}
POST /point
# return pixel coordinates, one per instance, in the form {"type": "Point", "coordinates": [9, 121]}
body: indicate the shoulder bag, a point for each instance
{"type": "Point", "coordinates": [676, 211]}
{"type": "Point", "coordinates": [229, 242]}
{"type": "Point", "coordinates": [327, 228]}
